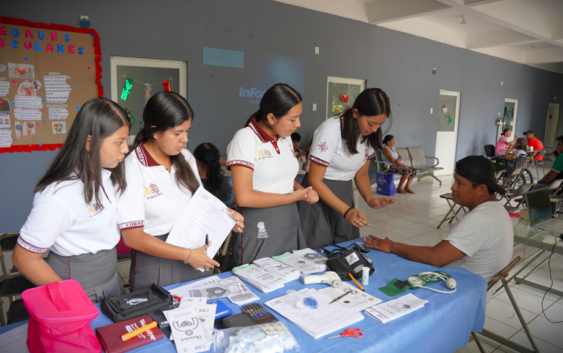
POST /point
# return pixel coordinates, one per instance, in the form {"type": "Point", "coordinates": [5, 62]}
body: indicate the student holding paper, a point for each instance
{"type": "Point", "coordinates": [75, 205]}
{"type": "Point", "coordinates": [263, 169]}
{"type": "Point", "coordinates": [161, 179]}
{"type": "Point", "coordinates": [340, 151]}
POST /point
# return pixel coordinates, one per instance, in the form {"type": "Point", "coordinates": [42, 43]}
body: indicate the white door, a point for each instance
{"type": "Point", "coordinates": [551, 125]}
{"type": "Point", "coordinates": [509, 117]}
{"type": "Point", "coordinates": [446, 136]}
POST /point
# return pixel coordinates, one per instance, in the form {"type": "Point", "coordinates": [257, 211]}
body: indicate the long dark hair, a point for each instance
{"type": "Point", "coordinates": [387, 138]}
{"type": "Point", "coordinates": [164, 111]}
{"type": "Point", "coordinates": [371, 102]}
{"type": "Point", "coordinates": [505, 130]}
{"type": "Point", "coordinates": [208, 155]}
{"type": "Point", "coordinates": [98, 118]}
{"type": "Point", "coordinates": [278, 100]}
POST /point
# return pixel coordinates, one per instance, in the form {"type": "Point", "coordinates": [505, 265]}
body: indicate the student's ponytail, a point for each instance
{"type": "Point", "coordinates": [277, 100]}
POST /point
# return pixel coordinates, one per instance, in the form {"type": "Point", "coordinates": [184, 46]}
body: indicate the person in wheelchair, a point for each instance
{"type": "Point", "coordinates": [515, 155]}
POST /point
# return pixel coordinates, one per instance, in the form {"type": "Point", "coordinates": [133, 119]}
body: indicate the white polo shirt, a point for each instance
{"type": "Point", "coordinates": [153, 199]}
{"type": "Point", "coordinates": [329, 149]}
{"type": "Point", "coordinates": [64, 223]}
{"type": "Point", "coordinates": [274, 163]}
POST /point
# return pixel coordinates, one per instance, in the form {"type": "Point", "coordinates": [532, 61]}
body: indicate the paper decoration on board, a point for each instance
{"type": "Point", "coordinates": [345, 97]}
{"type": "Point", "coordinates": [166, 86]}
{"type": "Point", "coordinates": [44, 70]}
{"type": "Point", "coordinates": [148, 90]}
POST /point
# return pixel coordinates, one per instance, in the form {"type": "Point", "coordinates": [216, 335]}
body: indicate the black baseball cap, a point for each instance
{"type": "Point", "coordinates": [480, 170]}
{"type": "Point", "coordinates": [528, 132]}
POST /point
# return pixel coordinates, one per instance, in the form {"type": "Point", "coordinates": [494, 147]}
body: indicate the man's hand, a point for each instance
{"type": "Point", "coordinates": [381, 202]}
{"type": "Point", "coordinates": [383, 245]}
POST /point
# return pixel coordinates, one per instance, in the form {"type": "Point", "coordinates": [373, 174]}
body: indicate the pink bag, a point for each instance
{"type": "Point", "coordinates": [59, 317]}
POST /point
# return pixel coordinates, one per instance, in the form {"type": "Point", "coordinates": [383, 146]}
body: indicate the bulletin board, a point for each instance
{"type": "Point", "coordinates": [46, 73]}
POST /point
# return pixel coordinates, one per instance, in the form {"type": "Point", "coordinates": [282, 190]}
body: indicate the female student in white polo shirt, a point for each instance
{"type": "Point", "coordinates": [340, 151]}
{"type": "Point", "coordinates": [75, 204]}
{"type": "Point", "coordinates": [161, 179]}
{"type": "Point", "coordinates": [263, 169]}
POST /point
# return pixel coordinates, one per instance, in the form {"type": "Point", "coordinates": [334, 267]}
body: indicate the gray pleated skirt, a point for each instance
{"type": "Point", "coordinates": [96, 273]}
{"type": "Point", "coordinates": [323, 225]}
{"type": "Point", "coordinates": [147, 269]}
{"type": "Point", "coordinates": [267, 232]}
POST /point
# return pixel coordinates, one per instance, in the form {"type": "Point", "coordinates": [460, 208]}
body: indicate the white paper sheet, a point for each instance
{"type": "Point", "coordinates": [205, 214]}
{"type": "Point", "coordinates": [305, 266]}
{"type": "Point", "coordinates": [271, 265]}
{"type": "Point", "coordinates": [190, 336]}
{"type": "Point", "coordinates": [396, 308]}
{"type": "Point", "coordinates": [5, 138]}
{"type": "Point", "coordinates": [318, 322]}
{"type": "Point", "coordinates": [205, 313]}
{"type": "Point", "coordinates": [56, 89]}
{"type": "Point", "coordinates": [261, 279]}
{"type": "Point", "coordinates": [356, 300]}
{"type": "Point", "coordinates": [215, 287]}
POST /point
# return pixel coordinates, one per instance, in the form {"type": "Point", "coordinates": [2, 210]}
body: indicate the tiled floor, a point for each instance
{"type": "Point", "coordinates": [413, 220]}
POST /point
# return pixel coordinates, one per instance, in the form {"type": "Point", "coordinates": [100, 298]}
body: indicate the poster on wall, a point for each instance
{"type": "Point", "coordinates": [341, 96]}
{"type": "Point", "coordinates": [446, 115]}
{"type": "Point", "coordinates": [46, 73]}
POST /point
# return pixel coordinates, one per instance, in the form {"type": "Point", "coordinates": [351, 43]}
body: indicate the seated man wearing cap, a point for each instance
{"type": "Point", "coordinates": [534, 142]}
{"type": "Point", "coordinates": [482, 242]}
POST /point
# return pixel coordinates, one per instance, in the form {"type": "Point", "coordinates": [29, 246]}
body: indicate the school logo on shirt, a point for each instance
{"type": "Point", "coordinates": [262, 233]}
{"type": "Point", "coordinates": [264, 154]}
{"type": "Point", "coordinates": [323, 146]}
{"type": "Point", "coordinates": [92, 211]}
{"type": "Point", "coordinates": [152, 191]}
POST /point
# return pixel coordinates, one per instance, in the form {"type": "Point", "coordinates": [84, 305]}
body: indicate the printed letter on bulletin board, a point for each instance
{"type": "Point", "coordinates": [46, 73]}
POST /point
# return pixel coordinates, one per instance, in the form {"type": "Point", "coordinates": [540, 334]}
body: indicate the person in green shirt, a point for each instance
{"type": "Point", "coordinates": [556, 171]}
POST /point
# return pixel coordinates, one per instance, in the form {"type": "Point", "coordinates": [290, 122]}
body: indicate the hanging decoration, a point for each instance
{"type": "Point", "coordinates": [148, 87]}
{"type": "Point", "coordinates": [148, 90]}
{"type": "Point", "coordinates": [345, 97]}
{"type": "Point", "coordinates": [126, 89]}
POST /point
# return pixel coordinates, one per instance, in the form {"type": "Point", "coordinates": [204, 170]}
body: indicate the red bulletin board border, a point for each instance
{"type": "Point", "coordinates": [97, 59]}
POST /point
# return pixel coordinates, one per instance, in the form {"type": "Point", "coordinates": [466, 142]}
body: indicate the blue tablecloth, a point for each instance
{"type": "Point", "coordinates": [443, 325]}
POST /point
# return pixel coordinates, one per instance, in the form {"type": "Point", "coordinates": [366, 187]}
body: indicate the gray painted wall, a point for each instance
{"type": "Point", "coordinates": [399, 63]}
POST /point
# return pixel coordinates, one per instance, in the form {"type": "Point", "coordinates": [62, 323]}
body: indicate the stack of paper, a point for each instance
{"type": "Point", "coordinates": [357, 299]}
{"type": "Point", "coordinates": [191, 332]}
{"type": "Point", "coordinates": [325, 319]}
{"type": "Point", "coordinates": [396, 308]}
{"type": "Point", "coordinates": [305, 266]}
{"type": "Point", "coordinates": [215, 287]}
{"type": "Point", "coordinates": [262, 280]}
{"type": "Point", "coordinates": [314, 256]}
{"type": "Point", "coordinates": [205, 313]}
{"type": "Point", "coordinates": [273, 266]}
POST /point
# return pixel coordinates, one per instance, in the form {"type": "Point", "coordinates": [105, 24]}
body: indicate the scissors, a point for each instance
{"type": "Point", "coordinates": [351, 332]}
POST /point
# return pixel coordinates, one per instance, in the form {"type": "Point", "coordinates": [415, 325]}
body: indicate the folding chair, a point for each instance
{"type": "Point", "coordinates": [403, 151]}
{"type": "Point", "coordinates": [537, 163]}
{"type": "Point", "coordinates": [7, 243]}
{"type": "Point", "coordinates": [11, 285]}
{"type": "Point", "coordinates": [419, 163]}
{"type": "Point", "coordinates": [489, 151]}
{"type": "Point", "coordinates": [449, 198]}
{"type": "Point", "coordinates": [520, 194]}
{"type": "Point", "coordinates": [493, 336]}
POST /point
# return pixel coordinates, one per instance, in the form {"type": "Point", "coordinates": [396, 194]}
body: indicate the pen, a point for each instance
{"type": "Point", "coordinates": [342, 296]}
{"type": "Point", "coordinates": [206, 242]}
{"type": "Point", "coordinates": [138, 331]}
{"type": "Point", "coordinates": [353, 279]}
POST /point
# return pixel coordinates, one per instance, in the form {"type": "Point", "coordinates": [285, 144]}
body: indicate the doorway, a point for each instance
{"type": "Point", "coordinates": [446, 136]}
{"type": "Point", "coordinates": [509, 116]}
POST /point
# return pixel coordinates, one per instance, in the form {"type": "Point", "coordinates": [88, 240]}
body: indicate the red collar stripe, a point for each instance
{"type": "Point", "coordinates": [262, 135]}
{"type": "Point", "coordinates": [145, 157]}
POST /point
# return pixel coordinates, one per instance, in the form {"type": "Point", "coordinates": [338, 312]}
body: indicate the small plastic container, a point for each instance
{"type": "Point", "coordinates": [365, 276]}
